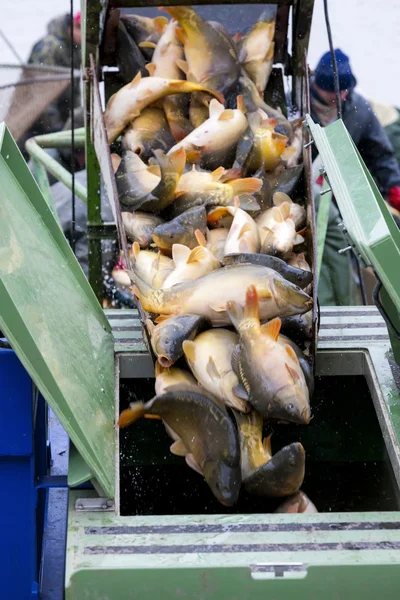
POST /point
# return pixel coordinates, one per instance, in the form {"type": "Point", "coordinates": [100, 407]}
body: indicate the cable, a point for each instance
{"type": "Point", "coordinates": [334, 63]}
{"type": "Point", "coordinates": [73, 229]}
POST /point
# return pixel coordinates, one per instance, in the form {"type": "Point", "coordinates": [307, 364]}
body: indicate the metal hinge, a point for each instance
{"type": "Point", "coordinates": [279, 570]}
{"type": "Point", "coordinates": [94, 505]}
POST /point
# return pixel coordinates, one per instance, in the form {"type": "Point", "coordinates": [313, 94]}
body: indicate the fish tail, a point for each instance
{"type": "Point", "coordinates": [248, 203]}
{"type": "Point", "coordinates": [128, 416]}
{"type": "Point", "coordinates": [144, 293]}
{"type": "Point", "coordinates": [191, 86]}
{"type": "Point", "coordinates": [251, 310]}
{"type": "Point", "coordinates": [217, 213]}
{"type": "Point", "coordinates": [247, 185]}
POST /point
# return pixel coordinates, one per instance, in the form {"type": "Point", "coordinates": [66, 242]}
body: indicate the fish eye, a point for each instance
{"type": "Point", "coordinates": [290, 406]}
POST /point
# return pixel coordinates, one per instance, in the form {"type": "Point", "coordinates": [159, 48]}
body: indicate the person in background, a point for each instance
{"type": "Point", "coordinates": [337, 284]}
{"type": "Point", "coordinates": [55, 50]}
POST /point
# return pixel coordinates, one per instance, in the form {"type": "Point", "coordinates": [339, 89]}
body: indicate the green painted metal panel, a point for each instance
{"type": "Point", "coordinates": [52, 318]}
{"type": "Point", "coordinates": [369, 223]}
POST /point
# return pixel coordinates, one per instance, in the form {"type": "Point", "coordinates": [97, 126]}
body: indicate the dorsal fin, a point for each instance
{"type": "Point", "coordinates": [160, 23]}
{"type": "Point", "coordinates": [280, 197]}
{"type": "Point", "coordinates": [136, 249]}
{"type": "Point", "coordinates": [227, 115]}
{"type": "Point", "coordinates": [182, 65]}
{"type": "Point", "coordinates": [189, 350]}
{"type": "Point", "coordinates": [201, 240]}
{"type": "Point", "coordinates": [151, 67]}
{"type": "Point", "coordinates": [270, 53]}
{"type": "Point", "coordinates": [180, 34]}
{"type": "Point", "coordinates": [215, 108]}
{"type": "Point", "coordinates": [272, 328]}
{"type": "Point", "coordinates": [217, 173]}
{"type": "Point", "coordinates": [240, 105]}
{"type": "Point", "coordinates": [178, 160]}
{"type": "Point", "coordinates": [136, 80]}
{"type": "Point", "coordinates": [251, 306]}
{"type": "Point", "coordinates": [147, 45]}
{"type": "Point", "coordinates": [277, 214]}
{"type": "Point", "coordinates": [180, 254]}
{"type": "Point", "coordinates": [285, 210]}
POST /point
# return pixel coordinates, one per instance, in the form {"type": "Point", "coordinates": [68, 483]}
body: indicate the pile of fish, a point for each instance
{"type": "Point", "coordinates": [206, 174]}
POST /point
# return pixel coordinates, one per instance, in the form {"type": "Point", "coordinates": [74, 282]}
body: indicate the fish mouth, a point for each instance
{"type": "Point", "coordinates": [165, 361]}
{"type": "Point", "coordinates": [138, 150]}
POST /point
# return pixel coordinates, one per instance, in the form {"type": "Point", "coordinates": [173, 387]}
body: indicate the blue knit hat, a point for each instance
{"type": "Point", "coordinates": [323, 75]}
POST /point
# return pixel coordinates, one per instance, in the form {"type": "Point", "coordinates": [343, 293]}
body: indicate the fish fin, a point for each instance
{"type": "Point", "coordinates": [302, 231]}
{"type": "Point", "coordinates": [245, 228]}
{"type": "Point", "coordinates": [268, 237]}
{"type": "Point", "coordinates": [272, 328]}
{"type": "Point", "coordinates": [190, 461]}
{"type": "Point", "coordinates": [298, 240]}
{"type": "Point", "coordinates": [300, 256]}
{"type": "Point", "coordinates": [217, 308]}
{"type": "Point", "coordinates": [251, 306]}
{"type": "Point", "coordinates": [269, 123]}
{"type": "Point", "coordinates": [147, 45]}
{"type": "Point", "coordinates": [180, 254]}
{"type": "Point", "coordinates": [235, 313]}
{"type": "Point", "coordinates": [160, 23]}
{"type": "Point", "coordinates": [290, 352]}
{"type": "Point", "coordinates": [136, 80]}
{"type": "Point", "coordinates": [180, 36]}
{"type": "Point", "coordinates": [154, 170]}
{"type": "Point", "coordinates": [128, 416]}
{"type": "Point", "coordinates": [189, 350]}
{"type": "Point", "coordinates": [217, 213]}
{"type": "Point", "coordinates": [193, 156]}
{"type": "Point", "coordinates": [182, 65]}
{"type": "Point", "coordinates": [292, 372]}
{"type": "Point", "coordinates": [150, 326]}
{"type": "Point", "coordinates": [161, 318]}
{"type": "Point", "coordinates": [270, 53]}
{"type": "Point", "coordinates": [264, 294]}
{"type": "Point", "coordinates": [248, 185]}
{"type": "Point", "coordinates": [136, 249]}
{"type": "Point", "coordinates": [115, 161]}
{"type": "Point", "coordinates": [178, 448]}
{"type": "Point", "coordinates": [237, 37]}
{"type": "Point", "coordinates": [277, 214]}
{"type": "Point", "coordinates": [285, 210]}
{"type": "Point", "coordinates": [279, 137]}
{"type": "Point", "coordinates": [215, 108]}
{"type": "Point", "coordinates": [240, 392]}
{"type": "Point", "coordinates": [197, 254]}
{"type": "Point", "coordinates": [240, 104]}
{"type": "Point", "coordinates": [267, 445]}
{"type": "Point", "coordinates": [288, 152]}
{"type": "Point", "coordinates": [211, 369]}
{"type": "Point", "coordinates": [249, 203]}
{"type": "Point", "coordinates": [217, 173]}
{"type": "Point", "coordinates": [227, 115]}
{"type": "Point", "coordinates": [231, 174]}
{"type": "Point", "coordinates": [178, 160]}
{"type": "Point", "coordinates": [235, 360]}
{"type": "Point", "coordinates": [150, 416]}
{"type": "Point", "coordinates": [151, 67]}
{"type": "Point", "coordinates": [280, 197]}
{"type": "Point", "coordinates": [201, 240]}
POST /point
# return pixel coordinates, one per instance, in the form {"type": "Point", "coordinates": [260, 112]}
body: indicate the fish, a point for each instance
{"type": "Point", "coordinates": [211, 60]}
{"type": "Point", "coordinates": [268, 145]}
{"type": "Point", "coordinates": [130, 60]}
{"type": "Point", "coordinates": [214, 142]}
{"type": "Point", "coordinates": [168, 336]}
{"type": "Point", "coordinates": [202, 188]}
{"type": "Point", "coordinates": [149, 266]}
{"type": "Point", "coordinates": [257, 49]}
{"type": "Point", "coordinates": [270, 373]}
{"type": "Point", "coordinates": [264, 474]}
{"type": "Point", "coordinates": [303, 361]}
{"type": "Point", "coordinates": [207, 436]}
{"type": "Point", "coordinates": [298, 261]}
{"type": "Point", "coordinates": [296, 144]}
{"type": "Point", "coordinates": [209, 358]}
{"type": "Point", "coordinates": [298, 327]}
{"type": "Point", "coordinates": [139, 226]}
{"type": "Point", "coordinates": [253, 102]}
{"type": "Point", "coordinates": [127, 104]}
{"type": "Point", "coordinates": [171, 377]}
{"type": "Point", "coordinates": [181, 230]}
{"type": "Point", "coordinates": [281, 236]}
{"type": "Point", "coordinates": [216, 241]}
{"type": "Point", "coordinates": [298, 276]}
{"type": "Point", "coordinates": [119, 274]}
{"type": "Point", "coordinates": [148, 132]}
{"type": "Point", "coordinates": [268, 219]}
{"type": "Point", "coordinates": [297, 212]}
{"type": "Point", "coordinates": [284, 180]}
{"type": "Point", "coordinates": [209, 295]}
{"type": "Point", "coordinates": [134, 179]}
{"type": "Point", "coordinates": [167, 55]}
{"type": "Point", "coordinates": [298, 503]}
{"type": "Point", "coordinates": [191, 264]}
{"type": "Point", "coordinates": [145, 31]}
{"type": "Point", "coordinates": [243, 234]}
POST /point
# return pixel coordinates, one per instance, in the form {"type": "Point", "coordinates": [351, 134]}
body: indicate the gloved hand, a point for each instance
{"type": "Point", "coordinates": [394, 197]}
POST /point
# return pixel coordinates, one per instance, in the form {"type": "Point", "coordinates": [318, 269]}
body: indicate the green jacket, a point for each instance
{"type": "Point", "coordinates": [55, 50]}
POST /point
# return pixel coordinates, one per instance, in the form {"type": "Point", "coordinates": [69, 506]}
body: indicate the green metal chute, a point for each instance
{"type": "Point", "coordinates": [52, 318]}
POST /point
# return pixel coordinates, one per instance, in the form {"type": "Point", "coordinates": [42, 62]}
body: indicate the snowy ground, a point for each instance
{"type": "Point", "coordinates": [366, 30]}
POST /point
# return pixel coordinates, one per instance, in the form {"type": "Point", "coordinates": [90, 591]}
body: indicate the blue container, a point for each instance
{"type": "Point", "coordinates": [22, 513]}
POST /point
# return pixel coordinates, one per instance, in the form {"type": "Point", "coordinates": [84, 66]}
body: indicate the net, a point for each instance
{"type": "Point", "coordinates": [30, 89]}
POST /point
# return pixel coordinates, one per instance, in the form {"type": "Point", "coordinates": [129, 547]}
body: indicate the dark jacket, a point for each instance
{"type": "Point", "coordinates": [371, 140]}
{"type": "Point", "coordinates": [55, 50]}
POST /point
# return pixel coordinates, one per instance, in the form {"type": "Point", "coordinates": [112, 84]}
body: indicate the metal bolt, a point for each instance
{"type": "Point", "coordinates": [80, 506]}
{"type": "Point", "coordinates": [325, 192]}
{"type": "Point", "coordinates": [109, 503]}
{"type": "Point", "coordinates": [343, 250]}
{"type": "Point", "coordinates": [309, 144]}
